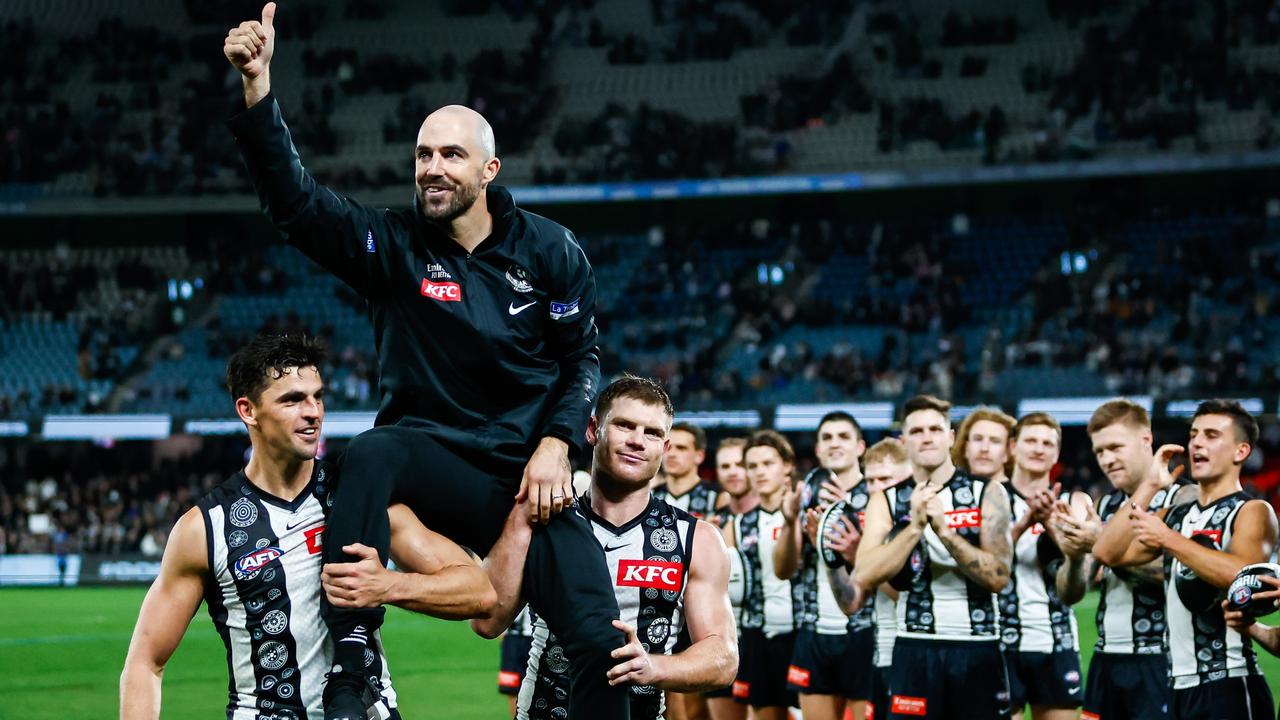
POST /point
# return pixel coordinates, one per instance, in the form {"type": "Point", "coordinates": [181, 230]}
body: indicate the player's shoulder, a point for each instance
{"type": "Point", "coordinates": [543, 233]}
{"type": "Point", "coordinates": [232, 488]}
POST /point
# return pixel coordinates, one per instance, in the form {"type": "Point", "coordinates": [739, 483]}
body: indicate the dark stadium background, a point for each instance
{"type": "Point", "coordinates": [787, 204]}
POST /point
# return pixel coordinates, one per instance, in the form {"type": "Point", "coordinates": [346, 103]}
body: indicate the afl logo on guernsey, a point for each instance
{"type": "Point", "coordinates": [248, 566]}
{"type": "Point", "coordinates": [650, 574]}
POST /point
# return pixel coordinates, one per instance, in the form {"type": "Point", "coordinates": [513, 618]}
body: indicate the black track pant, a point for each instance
{"type": "Point", "coordinates": [566, 579]}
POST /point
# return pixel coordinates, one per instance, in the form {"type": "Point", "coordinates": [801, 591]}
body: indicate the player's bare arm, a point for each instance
{"type": "Point", "coordinates": [711, 661]}
{"type": "Point", "coordinates": [249, 47]}
{"type": "Point", "coordinates": [166, 611]}
{"type": "Point", "coordinates": [1076, 526]}
{"type": "Point", "coordinates": [440, 579]}
{"type": "Point", "coordinates": [1252, 541]}
{"type": "Point", "coordinates": [786, 554]}
{"type": "Point", "coordinates": [877, 560]}
{"type": "Point", "coordinates": [844, 539]}
{"type": "Point", "coordinates": [505, 568]}
{"type": "Point", "coordinates": [987, 565]}
{"type": "Point", "coordinates": [1117, 545]}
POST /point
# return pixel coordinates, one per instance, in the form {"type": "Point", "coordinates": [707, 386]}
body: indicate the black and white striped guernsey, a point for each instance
{"type": "Point", "coordinates": [819, 610]}
{"type": "Point", "coordinates": [769, 604]}
{"type": "Point", "coordinates": [264, 598]}
{"type": "Point", "coordinates": [942, 603]}
{"type": "Point", "coordinates": [1201, 647]}
{"type": "Point", "coordinates": [1131, 614]}
{"type": "Point", "coordinates": [699, 502]}
{"type": "Point", "coordinates": [1032, 616]}
{"type": "Point", "coordinates": [648, 559]}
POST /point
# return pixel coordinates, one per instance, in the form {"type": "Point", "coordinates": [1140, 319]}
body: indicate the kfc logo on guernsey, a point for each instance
{"type": "Point", "coordinates": [654, 574]}
{"type": "Point", "coordinates": [444, 292]}
{"type": "Point", "coordinates": [1214, 535]}
{"type": "Point", "coordinates": [967, 518]}
{"type": "Point", "coordinates": [248, 566]}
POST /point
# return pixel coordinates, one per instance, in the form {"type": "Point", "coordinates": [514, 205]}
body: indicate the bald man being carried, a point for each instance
{"type": "Point", "coordinates": [484, 321]}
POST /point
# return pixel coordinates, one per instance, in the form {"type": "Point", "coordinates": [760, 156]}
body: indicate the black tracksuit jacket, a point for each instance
{"type": "Point", "coordinates": [488, 351]}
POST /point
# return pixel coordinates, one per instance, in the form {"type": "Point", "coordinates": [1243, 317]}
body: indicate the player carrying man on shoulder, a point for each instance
{"type": "Point", "coordinates": [251, 550]}
{"type": "Point", "coordinates": [1213, 668]}
{"type": "Point", "coordinates": [669, 570]}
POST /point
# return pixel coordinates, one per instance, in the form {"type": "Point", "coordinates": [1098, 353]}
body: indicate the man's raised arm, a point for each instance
{"type": "Point", "coordinates": [340, 235]}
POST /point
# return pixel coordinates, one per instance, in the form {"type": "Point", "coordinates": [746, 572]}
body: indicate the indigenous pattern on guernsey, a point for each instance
{"type": "Point", "coordinates": [942, 603]}
{"type": "Point", "coordinates": [1131, 615]}
{"type": "Point", "coordinates": [747, 535]}
{"type": "Point", "coordinates": [769, 604]}
{"type": "Point", "coordinates": [649, 560]}
{"type": "Point", "coordinates": [1201, 646]}
{"type": "Point", "coordinates": [699, 502]}
{"type": "Point", "coordinates": [264, 598]}
{"type": "Point", "coordinates": [1032, 616]}
{"type": "Point", "coordinates": [819, 611]}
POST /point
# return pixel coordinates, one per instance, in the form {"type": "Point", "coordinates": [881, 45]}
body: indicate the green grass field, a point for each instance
{"type": "Point", "coordinates": [61, 651]}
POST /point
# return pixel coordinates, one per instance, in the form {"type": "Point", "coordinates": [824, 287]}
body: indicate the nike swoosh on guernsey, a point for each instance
{"type": "Point", "coordinates": [611, 548]}
{"type": "Point", "coordinates": [513, 310]}
{"type": "Point", "coordinates": [291, 526]}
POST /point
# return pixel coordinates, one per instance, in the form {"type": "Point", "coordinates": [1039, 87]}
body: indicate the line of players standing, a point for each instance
{"type": "Point", "coordinates": [932, 575]}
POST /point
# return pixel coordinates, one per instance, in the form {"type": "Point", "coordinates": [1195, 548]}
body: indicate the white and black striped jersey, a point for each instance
{"type": "Point", "coordinates": [1131, 614]}
{"type": "Point", "coordinates": [649, 559]}
{"type": "Point", "coordinates": [886, 610]}
{"type": "Point", "coordinates": [819, 610]}
{"type": "Point", "coordinates": [769, 604]}
{"type": "Point", "coordinates": [1201, 646]}
{"type": "Point", "coordinates": [699, 501]}
{"type": "Point", "coordinates": [263, 595]}
{"type": "Point", "coordinates": [1032, 616]}
{"type": "Point", "coordinates": [942, 603]}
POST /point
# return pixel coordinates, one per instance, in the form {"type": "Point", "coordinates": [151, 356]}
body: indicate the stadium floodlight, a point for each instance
{"type": "Point", "coordinates": [871, 415]}
{"type": "Point", "coordinates": [721, 418]}
{"type": "Point", "coordinates": [1187, 408]}
{"type": "Point", "coordinates": [106, 427]}
{"type": "Point", "coordinates": [1074, 411]}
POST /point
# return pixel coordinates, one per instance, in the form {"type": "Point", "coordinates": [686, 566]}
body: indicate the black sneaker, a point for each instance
{"type": "Point", "coordinates": [351, 695]}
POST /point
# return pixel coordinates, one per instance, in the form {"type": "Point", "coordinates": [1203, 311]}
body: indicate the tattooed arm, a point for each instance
{"type": "Point", "coordinates": [849, 596]}
{"type": "Point", "coordinates": [987, 565]}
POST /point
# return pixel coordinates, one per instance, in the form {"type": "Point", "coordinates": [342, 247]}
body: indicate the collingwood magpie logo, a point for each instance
{"type": "Point", "coordinates": [519, 279]}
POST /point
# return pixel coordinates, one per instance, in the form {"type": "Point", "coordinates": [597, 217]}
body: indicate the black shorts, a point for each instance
{"type": "Point", "coordinates": [515, 660]}
{"type": "Point", "coordinates": [1238, 698]}
{"type": "Point", "coordinates": [1044, 679]}
{"type": "Point", "coordinates": [860, 664]}
{"type": "Point", "coordinates": [818, 664]}
{"type": "Point", "coordinates": [947, 679]}
{"type": "Point", "coordinates": [765, 669]}
{"type": "Point", "coordinates": [879, 692]}
{"type": "Point", "coordinates": [1127, 686]}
